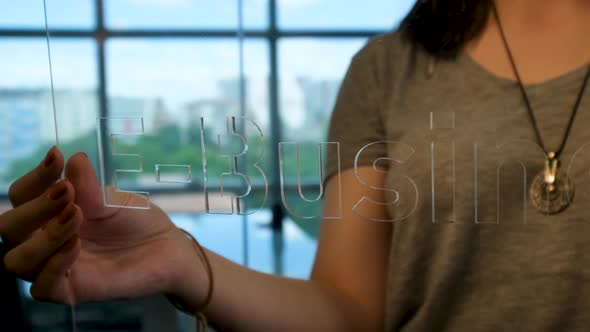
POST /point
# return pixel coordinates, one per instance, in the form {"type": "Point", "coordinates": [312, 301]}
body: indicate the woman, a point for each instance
{"type": "Point", "coordinates": [457, 254]}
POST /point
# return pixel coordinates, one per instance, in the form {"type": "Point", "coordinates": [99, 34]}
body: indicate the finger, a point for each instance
{"type": "Point", "coordinates": [27, 259]}
{"type": "Point", "coordinates": [89, 194]}
{"type": "Point", "coordinates": [37, 180]}
{"type": "Point", "coordinates": [17, 224]}
{"type": "Point", "coordinates": [81, 174]}
{"type": "Point", "coordinates": [52, 283]}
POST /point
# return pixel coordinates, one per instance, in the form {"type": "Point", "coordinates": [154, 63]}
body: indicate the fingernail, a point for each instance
{"type": "Point", "coordinates": [49, 157]}
{"type": "Point", "coordinates": [67, 214]}
{"type": "Point", "coordinates": [84, 155]}
{"type": "Point", "coordinates": [58, 191]}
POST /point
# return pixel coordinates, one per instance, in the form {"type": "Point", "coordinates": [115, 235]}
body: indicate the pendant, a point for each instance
{"type": "Point", "coordinates": [552, 190]}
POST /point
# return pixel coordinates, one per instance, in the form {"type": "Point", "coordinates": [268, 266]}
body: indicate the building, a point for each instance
{"type": "Point", "coordinates": [20, 125]}
{"type": "Point", "coordinates": [76, 112]}
{"type": "Point", "coordinates": [319, 97]}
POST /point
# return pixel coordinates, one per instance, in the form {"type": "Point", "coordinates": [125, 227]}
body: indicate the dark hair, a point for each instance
{"type": "Point", "coordinates": [443, 27]}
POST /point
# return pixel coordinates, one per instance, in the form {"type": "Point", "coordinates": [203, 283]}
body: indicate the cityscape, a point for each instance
{"type": "Point", "coordinates": [27, 123]}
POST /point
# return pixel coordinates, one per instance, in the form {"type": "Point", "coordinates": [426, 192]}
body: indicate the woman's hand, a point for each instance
{"type": "Point", "coordinates": [74, 249]}
{"type": "Point", "coordinates": [43, 219]}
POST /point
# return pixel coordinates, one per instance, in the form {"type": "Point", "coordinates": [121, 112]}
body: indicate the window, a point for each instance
{"type": "Point", "coordinates": [61, 14]}
{"type": "Point", "coordinates": [27, 127]}
{"type": "Point", "coordinates": [341, 14]}
{"type": "Point", "coordinates": [166, 64]}
{"type": "Point", "coordinates": [184, 14]}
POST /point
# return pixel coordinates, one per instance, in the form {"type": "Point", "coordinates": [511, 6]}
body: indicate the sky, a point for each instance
{"type": "Point", "coordinates": [180, 70]}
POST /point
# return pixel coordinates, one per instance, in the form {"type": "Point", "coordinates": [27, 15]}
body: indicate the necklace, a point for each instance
{"type": "Point", "coordinates": [552, 189]}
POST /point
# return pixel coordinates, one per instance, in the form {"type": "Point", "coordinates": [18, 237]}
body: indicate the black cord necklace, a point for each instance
{"type": "Point", "coordinates": [551, 190]}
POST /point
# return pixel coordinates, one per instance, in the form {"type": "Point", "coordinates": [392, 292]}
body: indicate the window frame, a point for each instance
{"type": "Point", "coordinates": [272, 34]}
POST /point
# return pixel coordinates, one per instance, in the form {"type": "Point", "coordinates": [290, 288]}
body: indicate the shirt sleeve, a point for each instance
{"type": "Point", "coordinates": [356, 120]}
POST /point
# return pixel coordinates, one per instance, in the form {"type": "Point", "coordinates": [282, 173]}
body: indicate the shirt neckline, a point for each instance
{"type": "Point", "coordinates": [571, 76]}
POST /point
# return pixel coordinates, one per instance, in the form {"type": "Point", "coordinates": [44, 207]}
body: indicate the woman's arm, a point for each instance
{"type": "Point", "coordinates": [347, 287]}
{"type": "Point", "coordinates": [87, 252]}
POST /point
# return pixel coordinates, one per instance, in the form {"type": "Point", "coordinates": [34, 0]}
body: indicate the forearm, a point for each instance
{"type": "Point", "coordinates": [246, 300]}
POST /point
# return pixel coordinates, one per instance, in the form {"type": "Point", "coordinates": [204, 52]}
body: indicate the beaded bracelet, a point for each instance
{"type": "Point", "coordinates": [200, 311]}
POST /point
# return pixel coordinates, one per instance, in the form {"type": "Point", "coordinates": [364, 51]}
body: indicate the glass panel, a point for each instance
{"type": "Point", "coordinates": [342, 14]}
{"type": "Point", "coordinates": [288, 253]}
{"type": "Point", "coordinates": [311, 71]}
{"type": "Point", "coordinates": [27, 127]}
{"type": "Point", "coordinates": [26, 115]}
{"type": "Point", "coordinates": [68, 14]}
{"type": "Point", "coordinates": [309, 87]}
{"type": "Point", "coordinates": [169, 85]}
{"type": "Point", "coordinates": [184, 14]}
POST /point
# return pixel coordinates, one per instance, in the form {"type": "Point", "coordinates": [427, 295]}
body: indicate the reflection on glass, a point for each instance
{"type": "Point", "coordinates": [61, 14]}
{"type": "Point", "coordinates": [27, 128]}
{"type": "Point", "coordinates": [184, 14]}
{"type": "Point", "coordinates": [342, 14]}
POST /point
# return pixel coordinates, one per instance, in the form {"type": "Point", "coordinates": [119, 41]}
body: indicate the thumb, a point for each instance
{"type": "Point", "coordinates": [89, 195]}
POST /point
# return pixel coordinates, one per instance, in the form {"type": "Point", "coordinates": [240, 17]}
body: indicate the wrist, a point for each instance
{"type": "Point", "coordinates": [190, 286]}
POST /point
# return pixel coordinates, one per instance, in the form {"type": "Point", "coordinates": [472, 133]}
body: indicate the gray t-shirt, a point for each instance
{"type": "Point", "coordinates": [472, 254]}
